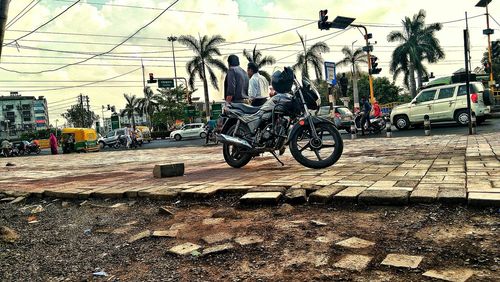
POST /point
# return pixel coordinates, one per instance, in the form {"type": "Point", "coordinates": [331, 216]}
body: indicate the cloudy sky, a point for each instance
{"type": "Point", "coordinates": [96, 26]}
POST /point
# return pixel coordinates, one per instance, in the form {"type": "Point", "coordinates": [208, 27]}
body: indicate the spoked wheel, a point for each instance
{"type": "Point", "coordinates": [319, 152]}
{"type": "Point", "coordinates": [233, 155]}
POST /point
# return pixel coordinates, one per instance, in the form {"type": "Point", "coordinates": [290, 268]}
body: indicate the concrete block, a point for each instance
{"type": "Point", "coordinates": [168, 170]}
{"type": "Point", "coordinates": [384, 197]}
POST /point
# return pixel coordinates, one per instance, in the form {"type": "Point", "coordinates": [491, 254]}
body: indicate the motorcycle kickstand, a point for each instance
{"type": "Point", "coordinates": [276, 157]}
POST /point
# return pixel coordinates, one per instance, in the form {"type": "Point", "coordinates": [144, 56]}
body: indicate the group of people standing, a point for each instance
{"type": "Point", "coordinates": [241, 86]}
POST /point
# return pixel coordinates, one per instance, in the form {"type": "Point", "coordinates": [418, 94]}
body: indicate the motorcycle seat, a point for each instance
{"type": "Point", "coordinates": [244, 108]}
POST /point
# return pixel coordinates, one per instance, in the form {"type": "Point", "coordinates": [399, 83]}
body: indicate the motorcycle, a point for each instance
{"type": "Point", "coordinates": [33, 148]}
{"type": "Point", "coordinates": [249, 131]}
{"type": "Point", "coordinates": [377, 124]}
{"type": "Point", "coordinates": [122, 142]}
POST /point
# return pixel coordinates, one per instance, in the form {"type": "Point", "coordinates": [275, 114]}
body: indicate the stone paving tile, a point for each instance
{"type": "Point", "coordinates": [325, 195]}
{"type": "Point", "coordinates": [454, 275]}
{"type": "Point", "coordinates": [350, 194]}
{"type": "Point", "coordinates": [249, 240]}
{"type": "Point", "coordinates": [484, 199]}
{"type": "Point", "coordinates": [400, 260]}
{"type": "Point", "coordinates": [355, 243]}
{"type": "Point", "coordinates": [184, 249]}
{"type": "Point", "coordinates": [213, 221]}
{"type": "Point", "coordinates": [218, 249]}
{"type": "Point", "coordinates": [424, 195]}
{"type": "Point", "coordinates": [384, 197]}
{"type": "Point", "coordinates": [353, 262]}
{"type": "Point", "coordinates": [260, 198]}
{"type": "Point", "coordinates": [217, 238]}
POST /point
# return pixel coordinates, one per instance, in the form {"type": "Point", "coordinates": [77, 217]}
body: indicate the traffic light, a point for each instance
{"type": "Point", "coordinates": [323, 18]}
{"type": "Point", "coordinates": [495, 49]}
{"type": "Point", "coordinates": [374, 64]}
{"type": "Point", "coordinates": [109, 107]}
{"type": "Point", "coordinates": [152, 78]}
{"type": "Point", "coordinates": [486, 66]}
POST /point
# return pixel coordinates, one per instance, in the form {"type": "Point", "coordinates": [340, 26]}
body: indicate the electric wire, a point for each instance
{"type": "Point", "coordinates": [21, 14]}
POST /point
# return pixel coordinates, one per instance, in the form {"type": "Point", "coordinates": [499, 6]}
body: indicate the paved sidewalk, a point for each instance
{"type": "Point", "coordinates": [398, 171]}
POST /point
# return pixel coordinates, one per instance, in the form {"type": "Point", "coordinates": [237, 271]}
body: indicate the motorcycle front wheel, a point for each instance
{"type": "Point", "coordinates": [320, 152]}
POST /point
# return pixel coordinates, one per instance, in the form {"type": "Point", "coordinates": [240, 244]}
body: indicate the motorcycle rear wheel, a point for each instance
{"type": "Point", "coordinates": [308, 151]}
{"type": "Point", "coordinates": [232, 154]}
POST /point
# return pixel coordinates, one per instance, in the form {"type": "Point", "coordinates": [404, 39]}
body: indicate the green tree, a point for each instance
{"type": "Point", "coordinates": [78, 116]}
{"type": "Point", "coordinates": [204, 48]}
{"type": "Point", "coordinates": [418, 43]}
{"type": "Point", "coordinates": [385, 91]}
{"type": "Point", "coordinates": [311, 56]}
{"type": "Point", "coordinates": [261, 61]}
{"type": "Point", "coordinates": [353, 60]}
{"type": "Point", "coordinates": [131, 108]}
{"type": "Point", "coordinates": [171, 104]}
{"type": "Point", "coordinates": [149, 104]}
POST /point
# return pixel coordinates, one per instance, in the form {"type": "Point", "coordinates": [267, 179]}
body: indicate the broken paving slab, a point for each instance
{"type": "Point", "coordinates": [217, 238]}
{"type": "Point", "coordinates": [264, 188]}
{"type": "Point", "coordinates": [384, 197]}
{"type": "Point", "coordinates": [296, 196]}
{"type": "Point", "coordinates": [400, 260]}
{"type": "Point", "coordinates": [249, 240]}
{"type": "Point", "coordinates": [184, 249]}
{"type": "Point", "coordinates": [453, 275]}
{"type": "Point", "coordinates": [139, 236]}
{"type": "Point", "coordinates": [260, 198]}
{"type": "Point", "coordinates": [218, 249]}
{"type": "Point", "coordinates": [353, 262]}
{"type": "Point", "coordinates": [355, 243]}
{"type": "Point", "coordinates": [165, 233]}
{"type": "Point", "coordinates": [325, 195]}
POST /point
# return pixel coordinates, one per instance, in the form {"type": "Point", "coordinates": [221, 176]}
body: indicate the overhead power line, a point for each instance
{"type": "Point", "coordinates": [42, 25]}
{"type": "Point", "coordinates": [21, 14]}
{"type": "Point", "coordinates": [100, 54]}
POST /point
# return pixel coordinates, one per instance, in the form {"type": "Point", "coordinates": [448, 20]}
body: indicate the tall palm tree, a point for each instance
{"type": "Point", "coordinates": [418, 43]}
{"type": "Point", "coordinates": [353, 59]}
{"type": "Point", "coordinates": [149, 104]}
{"type": "Point", "coordinates": [311, 56]}
{"type": "Point", "coordinates": [256, 57]}
{"type": "Point", "coordinates": [204, 48]}
{"type": "Point", "coordinates": [131, 108]}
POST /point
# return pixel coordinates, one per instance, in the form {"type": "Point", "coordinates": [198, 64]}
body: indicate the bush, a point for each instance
{"type": "Point", "coordinates": [160, 134]}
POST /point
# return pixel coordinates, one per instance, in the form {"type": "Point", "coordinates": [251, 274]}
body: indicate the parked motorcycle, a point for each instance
{"type": "Point", "coordinates": [33, 148]}
{"type": "Point", "coordinates": [377, 124]}
{"type": "Point", "coordinates": [249, 131]}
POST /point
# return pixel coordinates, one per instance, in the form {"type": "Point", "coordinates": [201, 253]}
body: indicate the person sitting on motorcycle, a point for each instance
{"type": "Point", "coordinates": [376, 110]}
{"type": "Point", "coordinates": [6, 146]}
{"type": "Point", "coordinates": [210, 127]}
{"type": "Point", "coordinates": [365, 105]}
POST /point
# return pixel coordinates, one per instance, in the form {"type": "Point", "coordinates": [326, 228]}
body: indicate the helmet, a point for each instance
{"type": "Point", "coordinates": [282, 81]}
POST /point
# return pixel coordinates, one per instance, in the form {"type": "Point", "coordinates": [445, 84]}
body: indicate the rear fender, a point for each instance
{"type": "Point", "coordinates": [304, 122]}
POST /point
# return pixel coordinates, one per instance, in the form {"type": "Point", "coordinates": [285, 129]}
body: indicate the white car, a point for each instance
{"type": "Point", "coordinates": [191, 130]}
{"type": "Point", "coordinates": [442, 103]}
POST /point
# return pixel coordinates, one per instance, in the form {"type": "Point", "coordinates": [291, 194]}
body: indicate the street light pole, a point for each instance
{"type": "Point", "coordinates": [172, 39]}
{"type": "Point", "coordinates": [488, 32]}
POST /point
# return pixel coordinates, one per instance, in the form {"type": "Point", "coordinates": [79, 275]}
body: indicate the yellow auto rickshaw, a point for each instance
{"type": "Point", "coordinates": [146, 134]}
{"type": "Point", "coordinates": [79, 140]}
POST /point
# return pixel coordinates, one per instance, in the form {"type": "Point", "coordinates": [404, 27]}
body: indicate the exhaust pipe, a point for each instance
{"type": "Point", "coordinates": [235, 141]}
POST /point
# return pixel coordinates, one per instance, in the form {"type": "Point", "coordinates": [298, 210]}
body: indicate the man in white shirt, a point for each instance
{"type": "Point", "coordinates": [258, 85]}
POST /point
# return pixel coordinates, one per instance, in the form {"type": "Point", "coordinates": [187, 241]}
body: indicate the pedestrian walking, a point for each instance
{"type": "Point", "coordinates": [366, 114]}
{"type": "Point", "coordinates": [236, 82]}
{"type": "Point", "coordinates": [53, 144]}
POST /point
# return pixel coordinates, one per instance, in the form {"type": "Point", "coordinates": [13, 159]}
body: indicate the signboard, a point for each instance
{"type": "Point", "coordinates": [166, 83]}
{"type": "Point", "coordinates": [330, 73]}
{"type": "Point", "coordinates": [115, 122]}
{"type": "Point", "coordinates": [190, 111]}
{"type": "Point", "coordinates": [216, 111]}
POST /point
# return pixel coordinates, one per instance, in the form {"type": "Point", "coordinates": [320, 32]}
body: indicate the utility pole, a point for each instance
{"type": "Point", "coordinates": [173, 39]}
{"type": "Point", "coordinates": [467, 79]}
{"type": "Point", "coordinates": [4, 8]}
{"type": "Point", "coordinates": [88, 110]}
{"type": "Point", "coordinates": [367, 49]}
{"type": "Point", "coordinates": [80, 98]}
{"type": "Point", "coordinates": [488, 31]}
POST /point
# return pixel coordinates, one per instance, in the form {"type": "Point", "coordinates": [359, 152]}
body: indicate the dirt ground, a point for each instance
{"type": "Point", "coordinates": [69, 241]}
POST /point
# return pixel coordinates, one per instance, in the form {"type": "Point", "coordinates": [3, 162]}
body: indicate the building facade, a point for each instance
{"type": "Point", "coordinates": [20, 114]}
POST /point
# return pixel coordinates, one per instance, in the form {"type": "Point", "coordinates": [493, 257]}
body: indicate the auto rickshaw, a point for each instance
{"type": "Point", "coordinates": [79, 140]}
{"type": "Point", "coordinates": [146, 134]}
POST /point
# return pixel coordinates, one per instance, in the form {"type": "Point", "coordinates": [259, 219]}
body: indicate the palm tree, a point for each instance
{"type": "Point", "coordinates": [204, 48]}
{"type": "Point", "coordinates": [131, 108]}
{"type": "Point", "coordinates": [256, 57]}
{"type": "Point", "coordinates": [353, 59]}
{"type": "Point", "coordinates": [311, 55]}
{"type": "Point", "coordinates": [418, 43]}
{"type": "Point", "coordinates": [149, 104]}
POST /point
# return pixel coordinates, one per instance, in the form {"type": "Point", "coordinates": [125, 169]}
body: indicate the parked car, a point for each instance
{"type": "Point", "coordinates": [341, 116]}
{"type": "Point", "coordinates": [191, 130]}
{"type": "Point", "coordinates": [111, 138]}
{"type": "Point", "coordinates": [442, 103]}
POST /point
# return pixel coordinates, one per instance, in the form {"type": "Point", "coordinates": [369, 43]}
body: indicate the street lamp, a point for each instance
{"type": "Point", "coordinates": [488, 31]}
{"type": "Point", "coordinates": [172, 39]}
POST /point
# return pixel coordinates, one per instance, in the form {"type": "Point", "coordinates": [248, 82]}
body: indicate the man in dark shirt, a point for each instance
{"type": "Point", "coordinates": [236, 82]}
{"type": "Point", "coordinates": [365, 105]}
